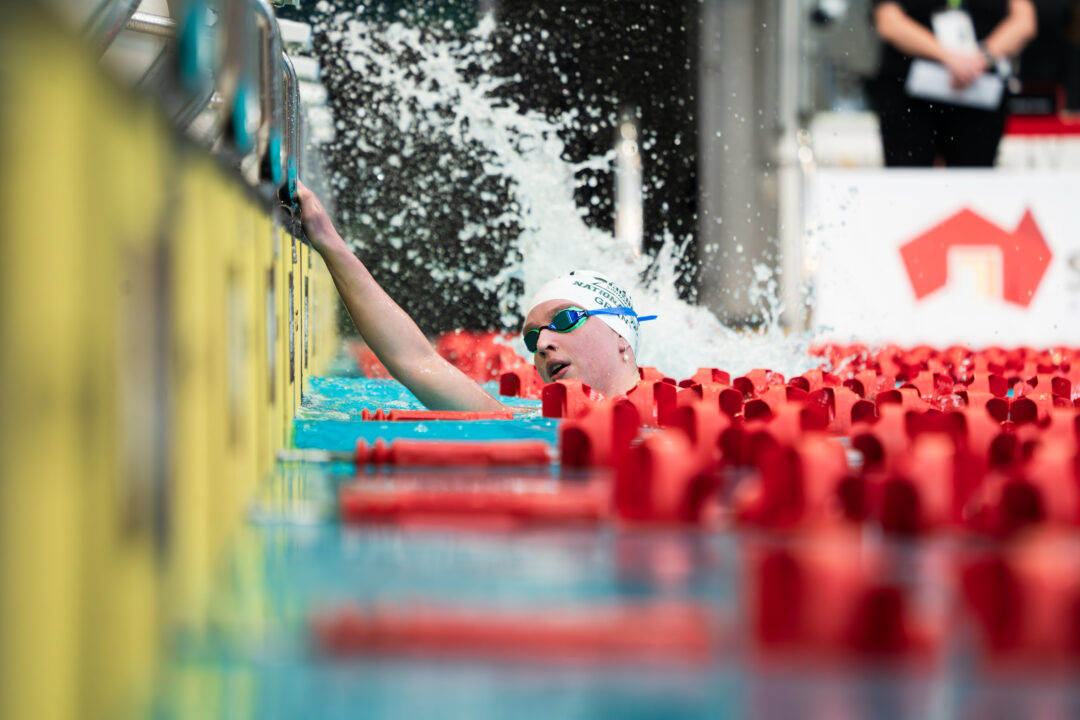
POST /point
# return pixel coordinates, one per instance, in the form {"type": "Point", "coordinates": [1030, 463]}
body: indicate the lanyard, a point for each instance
{"type": "Point", "coordinates": [955, 4]}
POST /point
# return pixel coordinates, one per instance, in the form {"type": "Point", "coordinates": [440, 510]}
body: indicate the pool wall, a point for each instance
{"type": "Point", "coordinates": [158, 327]}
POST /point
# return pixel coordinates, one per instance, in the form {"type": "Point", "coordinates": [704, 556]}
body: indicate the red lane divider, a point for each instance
{"type": "Point", "coordinates": [567, 399]}
{"type": "Point", "coordinates": [651, 374]}
{"type": "Point", "coordinates": [794, 484]}
{"type": "Point", "coordinates": [834, 604]}
{"type": "Point", "coordinates": [662, 481]}
{"type": "Point", "coordinates": [704, 423]}
{"type": "Point", "coordinates": [706, 376]}
{"type": "Point", "coordinates": [649, 397]}
{"type": "Point", "coordinates": [949, 440]}
{"type": "Point", "coordinates": [426, 415]}
{"type": "Point", "coordinates": [1024, 600]}
{"type": "Point", "coordinates": [931, 488]}
{"type": "Point", "coordinates": [844, 401]}
{"type": "Point", "coordinates": [599, 437]}
{"type": "Point", "coordinates": [523, 381]}
{"type": "Point", "coordinates": [454, 453]}
{"type": "Point", "coordinates": [495, 508]}
{"type": "Point", "coordinates": [911, 441]}
{"type": "Point", "coordinates": [482, 356]}
{"type": "Point", "coordinates": [757, 381]}
{"type": "Point", "coordinates": [666, 633]}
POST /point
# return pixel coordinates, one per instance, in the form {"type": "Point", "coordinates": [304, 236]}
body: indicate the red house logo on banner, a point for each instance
{"type": "Point", "coordinates": [1024, 254]}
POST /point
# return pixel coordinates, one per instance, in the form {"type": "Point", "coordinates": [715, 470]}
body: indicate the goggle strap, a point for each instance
{"type": "Point", "coordinates": [622, 311]}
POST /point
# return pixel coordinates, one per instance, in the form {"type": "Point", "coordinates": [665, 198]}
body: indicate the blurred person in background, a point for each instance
{"type": "Point", "coordinates": [921, 133]}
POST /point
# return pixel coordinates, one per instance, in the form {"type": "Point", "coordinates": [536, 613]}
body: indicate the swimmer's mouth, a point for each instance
{"type": "Point", "coordinates": [556, 368]}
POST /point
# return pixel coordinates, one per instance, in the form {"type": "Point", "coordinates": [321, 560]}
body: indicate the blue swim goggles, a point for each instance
{"type": "Point", "coordinates": [572, 317]}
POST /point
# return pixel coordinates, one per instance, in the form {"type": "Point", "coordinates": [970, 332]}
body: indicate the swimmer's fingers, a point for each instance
{"type": "Point", "coordinates": [309, 204]}
{"type": "Point", "coordinates": [310, 207]}
{"type": "Point", "coordinates": [314, 218]}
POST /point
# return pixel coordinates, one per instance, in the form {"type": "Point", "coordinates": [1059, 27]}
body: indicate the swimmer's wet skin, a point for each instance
{"type": "Point", "coordinates": [600, 354]}
{"type": "Point", "coordinates": [389, 331]}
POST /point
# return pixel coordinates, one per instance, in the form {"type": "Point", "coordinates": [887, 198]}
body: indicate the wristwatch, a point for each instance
{"type": "Point", "coordinates": [991, 61]}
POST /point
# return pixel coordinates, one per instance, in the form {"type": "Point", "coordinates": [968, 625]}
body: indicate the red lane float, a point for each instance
{"type": "Point", "coordinates": [794, 484]}
{"type": "Point", "coordinates": [651, 374]}
{"type": "Point", "coordinates": [930, 488]}
{"type": "Point", "coordinates": [705, 376]}
{"type": "Point", "coordinates": [665, 633]}
{"type": "Point", "coordinates": [482, 356]}
{"type": "Point", "coordinates": [1024, 600]}
{"type": "Point", "coordinates": [446, 453]}
{"type": "Point", "coordinates": [834, 604]}
{"type": "Point", "coordinates": [949, 440]}
{"type": "Point", "coordinates": [567, 399]}
{"type": "Point", "coordinates": [662, 481]}
{"type": "Point", "coordinates": [703, 423]}
{"type": "Point", "coordinates": [649, 396]}
{"type": "Point", "coordinates": [432, 415]}
{"type": "Point", "coordinates": [523, 381]}
{"type": "Point", "coordinates": [497, 508]}
{"type": "Point", "coordinates": [599, 437]}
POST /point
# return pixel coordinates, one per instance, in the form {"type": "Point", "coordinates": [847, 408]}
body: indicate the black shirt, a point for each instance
{"type": "Point", "coordinates": [985, 16]}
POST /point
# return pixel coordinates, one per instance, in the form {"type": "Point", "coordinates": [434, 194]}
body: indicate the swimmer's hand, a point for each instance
{"type": "Point", "coordinates": [317, 225]}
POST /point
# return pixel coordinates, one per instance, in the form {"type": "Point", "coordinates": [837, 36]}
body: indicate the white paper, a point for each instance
{"type": "Point", "coordinates": [932, 81]}
{"type": "Point", "coordinates": [955, 31]}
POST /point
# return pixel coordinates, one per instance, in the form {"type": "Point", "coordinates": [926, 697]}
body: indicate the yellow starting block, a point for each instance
{"type": "Point", "coordinates": [157, 324]}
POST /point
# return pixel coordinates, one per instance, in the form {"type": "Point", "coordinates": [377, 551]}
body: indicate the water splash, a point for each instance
{"type": "Point", "coordinates": [432, 94]}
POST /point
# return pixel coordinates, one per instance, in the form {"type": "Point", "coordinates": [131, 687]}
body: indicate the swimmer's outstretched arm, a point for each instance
{"type": "Point", "coordinates": [388, 330]}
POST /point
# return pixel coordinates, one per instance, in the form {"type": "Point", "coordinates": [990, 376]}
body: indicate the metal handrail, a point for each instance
{"type": "Point", "coordinates": [270, 91]}
{"type": "Point", "coordinates": [149, 24]}
{"type": "Point", "coordinates": [279, 133]}
{"type": "Point", "coordinates": [184, 105]}
{"type": "Point", "coordinates": [294, 126]}
{"type": "Point", "coordinates": [106, 23]}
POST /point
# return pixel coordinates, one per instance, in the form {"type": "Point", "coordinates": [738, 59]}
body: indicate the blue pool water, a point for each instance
{"type": "Point", "coordinates": [255, 658]}
{"type": "Point", "coordinates": [330, 418]}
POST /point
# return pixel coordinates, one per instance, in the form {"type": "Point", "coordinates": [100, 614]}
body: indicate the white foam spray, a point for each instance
{"type": "Point", "coordinates": [525, 146]}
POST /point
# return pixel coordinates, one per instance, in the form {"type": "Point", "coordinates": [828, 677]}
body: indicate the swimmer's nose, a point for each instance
{"type": "Point", "coordinates": [546, 340]}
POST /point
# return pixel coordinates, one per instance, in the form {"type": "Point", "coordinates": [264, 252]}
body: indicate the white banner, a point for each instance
{"type": "Point", "coordinates": [975, 257]}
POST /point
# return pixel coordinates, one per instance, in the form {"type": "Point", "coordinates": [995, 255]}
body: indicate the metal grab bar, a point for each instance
{"type": "Point", "coordinates": [148, 24]}
{"type": "Point", "coordinates": [294, 127]}
{"type": "Point", "coordinates": [106, 22]}
{"type": "Point", "coordinates": [271, 85]}
{"type": "Point", "coordinates": [278, 135]}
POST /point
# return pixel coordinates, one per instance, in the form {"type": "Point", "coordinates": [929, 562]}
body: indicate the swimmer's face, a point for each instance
{"type": "Point", "coordinates": [591, 352]}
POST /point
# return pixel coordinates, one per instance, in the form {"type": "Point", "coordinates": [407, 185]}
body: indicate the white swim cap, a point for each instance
{"type": "Point", "coordinates": [591, 290]}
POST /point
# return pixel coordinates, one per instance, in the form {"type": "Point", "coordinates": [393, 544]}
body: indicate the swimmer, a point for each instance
{"type": "Point", "coordinates": [579, 326]}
